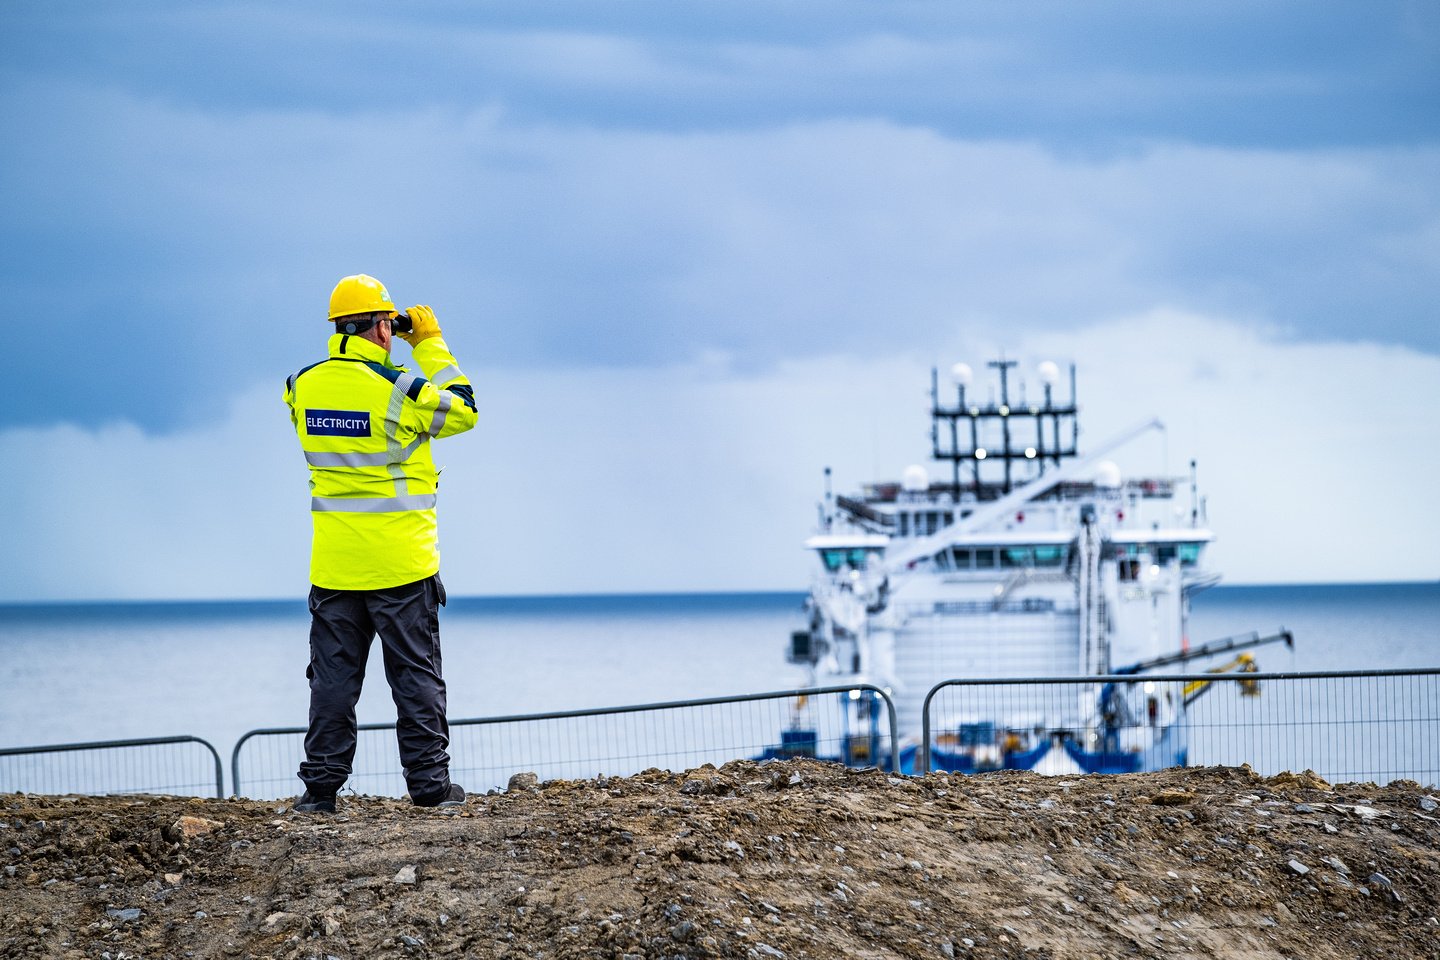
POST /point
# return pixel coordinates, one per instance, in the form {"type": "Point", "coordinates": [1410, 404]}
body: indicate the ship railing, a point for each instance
{"type": "Point", "coordinates": [178, 766]}
{"type": "Point", "coordinates": [1145, 488]}
{"type": "Point", "coordinates": [1345, 726]}
{"type": "Point", "coordinates": [949, 608]}
{"type": "Point", "coordinates": [610, 741]}
{"type": "Point", "coordinates": [862, 511]}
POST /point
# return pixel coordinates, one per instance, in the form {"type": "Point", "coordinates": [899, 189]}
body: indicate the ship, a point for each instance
{"type": "Point", "coordinates": [1021, 557]}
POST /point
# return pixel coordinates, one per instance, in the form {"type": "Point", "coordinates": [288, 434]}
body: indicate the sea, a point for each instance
{"type": "Point", "coordinates": [102, 671]}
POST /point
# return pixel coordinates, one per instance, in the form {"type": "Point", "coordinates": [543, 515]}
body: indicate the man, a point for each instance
{"type": "Point", "coordinates": [365, 426]}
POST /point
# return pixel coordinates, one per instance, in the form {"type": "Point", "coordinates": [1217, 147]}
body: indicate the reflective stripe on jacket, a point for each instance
{"type": "Point", "coordinates": [365, 426]}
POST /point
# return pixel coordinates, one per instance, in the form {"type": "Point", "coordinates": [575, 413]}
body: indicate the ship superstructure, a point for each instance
{"type": "Point", "coordinates": [1024, 558]}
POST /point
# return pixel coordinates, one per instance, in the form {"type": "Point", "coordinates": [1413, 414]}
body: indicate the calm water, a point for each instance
{"type": "Point", "coordinates": [216, 670]}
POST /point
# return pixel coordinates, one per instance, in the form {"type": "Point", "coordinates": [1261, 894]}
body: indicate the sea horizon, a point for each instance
{"type": "Point", "coordinates": [523, 600]}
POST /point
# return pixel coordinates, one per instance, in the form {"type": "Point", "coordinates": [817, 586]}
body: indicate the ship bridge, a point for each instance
{"type": "Point", "coordinates": [857, 551]}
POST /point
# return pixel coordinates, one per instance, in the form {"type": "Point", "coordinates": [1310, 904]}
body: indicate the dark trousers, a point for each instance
{"type": "Point", "coordinates": [342, 625]}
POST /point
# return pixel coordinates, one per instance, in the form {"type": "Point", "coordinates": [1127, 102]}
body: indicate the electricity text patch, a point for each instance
{"type": "Point", "coordinates": [337, 423]}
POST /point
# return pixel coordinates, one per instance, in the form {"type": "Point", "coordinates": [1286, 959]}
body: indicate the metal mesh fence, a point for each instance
{"type": "Point", "coordinates": [180, 766]}
{"type": "Point", "coordinates": [850, 725]}
{"type": "Point", "coordinates": [1353, 726]}
{"type": "Point", "coordinates": [1347, 727]}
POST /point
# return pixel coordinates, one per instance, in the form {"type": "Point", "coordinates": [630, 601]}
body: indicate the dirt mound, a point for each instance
{"type": "Point", "coordinates": [794, 859]}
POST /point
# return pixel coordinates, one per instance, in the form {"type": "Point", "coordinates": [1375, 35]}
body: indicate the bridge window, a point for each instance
{"type": "Point", "coordinates": [904, 524]}
{"type": "Point", "coordinates": [1049, 556]}
{"type": "Point", "coordinates": [985, 559]}
{"type": "Point", "coordinates": [1011, 557]}
{"type": "Point", "coordinates": [961, 557]}
{"type": "Point", "coordinates": [1190, 554]}
{"type": "Point", "coordinates": [839, 557]}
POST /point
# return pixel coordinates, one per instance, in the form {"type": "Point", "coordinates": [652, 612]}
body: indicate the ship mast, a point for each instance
{"type": "Point", "coordinates": [1010, 423]}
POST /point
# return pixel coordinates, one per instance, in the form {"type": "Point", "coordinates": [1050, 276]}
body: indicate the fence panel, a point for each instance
{"type": "Point", "coordinates": [180, 766]}
{"type": "Point", "coordinates": [1378, 725]}
{"type": "Point", "coordinates": [614, 741]}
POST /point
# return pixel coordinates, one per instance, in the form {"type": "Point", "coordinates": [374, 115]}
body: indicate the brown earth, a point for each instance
{"type": "Point", "coordinates": [795, 859]}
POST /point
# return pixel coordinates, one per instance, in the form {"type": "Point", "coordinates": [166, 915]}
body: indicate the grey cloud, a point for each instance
{"type": "Point", "coordinates": [203, 246]}
{"type": "Point", "coordinates": [1235, 73]}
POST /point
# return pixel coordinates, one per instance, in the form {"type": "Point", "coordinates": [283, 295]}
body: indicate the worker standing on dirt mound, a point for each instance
{"type": "Point", "coordinates": [365, 426]}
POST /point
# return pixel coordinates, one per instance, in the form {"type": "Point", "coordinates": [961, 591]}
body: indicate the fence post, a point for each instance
{"type": "Point", "coordinates": [922, 755]}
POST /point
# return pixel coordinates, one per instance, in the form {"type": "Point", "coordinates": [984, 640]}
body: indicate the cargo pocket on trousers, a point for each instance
{"type": "Point", "coordinates": [319, 595]}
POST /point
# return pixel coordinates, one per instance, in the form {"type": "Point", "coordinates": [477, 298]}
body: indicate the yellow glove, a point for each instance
{"type": "Point", "coordinates": [423, 325]}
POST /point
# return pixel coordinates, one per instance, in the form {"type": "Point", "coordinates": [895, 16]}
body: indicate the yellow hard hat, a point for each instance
{"type": "Point", "coordinates": [360, 294]}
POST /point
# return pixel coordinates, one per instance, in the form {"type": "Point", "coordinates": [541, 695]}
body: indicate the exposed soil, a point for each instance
{"type": "Point", "coordinates": [786, 859]}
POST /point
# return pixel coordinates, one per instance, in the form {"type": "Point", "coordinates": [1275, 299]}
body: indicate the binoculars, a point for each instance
{"type": "Point", "coordinates": [401, 323]}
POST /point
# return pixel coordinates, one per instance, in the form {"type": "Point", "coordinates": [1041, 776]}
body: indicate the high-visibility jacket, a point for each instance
{"type": "Point", "coordinates": [365, 426]}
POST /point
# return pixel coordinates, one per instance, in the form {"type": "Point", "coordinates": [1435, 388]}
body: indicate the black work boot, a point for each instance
{"type": "Point", "coordinates": [451, 796]}
{"type": "Point", "coordinates": [313, 802]}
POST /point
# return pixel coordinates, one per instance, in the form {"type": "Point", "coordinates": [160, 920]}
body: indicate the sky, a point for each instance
{"type": "Point", "coordinates": [691, 254]}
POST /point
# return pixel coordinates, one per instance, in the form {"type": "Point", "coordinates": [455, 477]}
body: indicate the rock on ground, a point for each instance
{"type": "Point", "coordinates": [795, 859]}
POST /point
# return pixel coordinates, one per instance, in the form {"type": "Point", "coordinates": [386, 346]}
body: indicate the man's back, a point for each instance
{"type": "Point", "coordinates": [365, 427]}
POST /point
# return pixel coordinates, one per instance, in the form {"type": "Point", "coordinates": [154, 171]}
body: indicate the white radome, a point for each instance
{"type": "Point", "coordinates": [1107, 474]}
{"type": "Point", "coordinates": [962, 374]}
{"type": "Point", "coordinates": [916, 479]}
{"type": "Point", "coordinates": [1049, 373]}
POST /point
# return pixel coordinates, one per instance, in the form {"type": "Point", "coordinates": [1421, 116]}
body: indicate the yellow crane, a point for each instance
{"type": "Point", "coordinates": [1243, 663]}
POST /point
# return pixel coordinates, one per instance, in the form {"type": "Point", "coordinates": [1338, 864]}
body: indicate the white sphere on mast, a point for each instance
{"type": "Point", "coordinates": [962, 375]}
{"type": "Point", "coordinates": [1049, 373]}
{"type": "Point", "coordinates": [915, 479]}
{"type": "Point", "coordinates": [1107, 474]}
